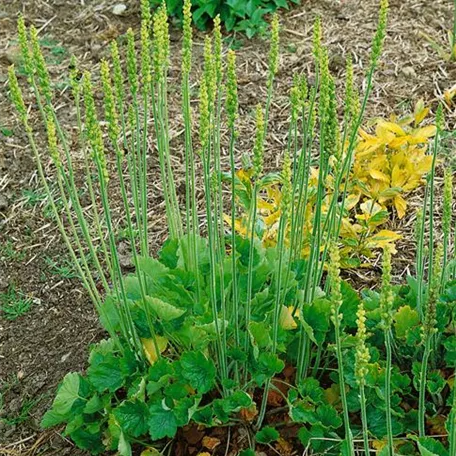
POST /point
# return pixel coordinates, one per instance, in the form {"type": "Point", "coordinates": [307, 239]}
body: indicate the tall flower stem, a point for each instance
{"type": "Point", "coordinates": [336, 318]}
{"type": "Point", "coordinates": [388, 371]}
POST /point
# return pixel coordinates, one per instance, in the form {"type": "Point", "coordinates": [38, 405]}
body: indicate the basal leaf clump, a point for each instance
{"type": "Point", "coordinates": [228, 327]}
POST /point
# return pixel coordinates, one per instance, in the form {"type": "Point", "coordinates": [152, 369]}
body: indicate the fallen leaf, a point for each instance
{"type": "Point", "coordinates": [437, 425]}
{"type": "Point", "coordinates": [249, 413]}
{"type": "Point", "coordinates": [210, 442]}
{"type": "Point", "coordinates": [284, 447]}
{"type": "Point", "coordinates": [150, 452]}
{"type": "Point", "coordinates": [274, 398]}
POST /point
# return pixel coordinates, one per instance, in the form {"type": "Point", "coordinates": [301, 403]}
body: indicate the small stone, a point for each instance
{"type": "Point", "coordinates": [14, 406]}
{"type": "Point", "coordinates": [125, 256]}
{"type": "Point", "coordinates": [409, 72]}
{"type": "Point", "coordinates": [3, 203]}
{"type": "Point", "coordinates": [9, 432]}
{"type": "Point", "coordinates": [336, 62]}
{"type": "Point", "coordinates": [119, 9]}
{"type": "Point", "coordinates": [65, 357]}
{"type": "Point", "coordinates": [3, 283]}
{"type": "Point", "coordinates": [126, 262]}
{"type": "Point", "coordinates": [11, 55]}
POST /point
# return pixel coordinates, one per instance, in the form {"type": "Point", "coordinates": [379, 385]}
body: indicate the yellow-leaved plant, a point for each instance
{"type": "Point", "coordinates": [389, 164]}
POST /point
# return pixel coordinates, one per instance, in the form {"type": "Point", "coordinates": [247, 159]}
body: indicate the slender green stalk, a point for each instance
{"type": "Point", "coordinates": [439, 122]}
{"type": "Point", "coordinates": [420, 254]}
{"type": "Point", "coordinates": [46, 109]}
{"type": "Point", "coordinates": [303, 176]}
{"type": "Point", "coordinates": [111, 116]}
{"type": "Point", "coordinates": [364, 423]}
{"type": "Point", "coordinates": [428, 209]}
{"type": "Point", "coordinates": [159, 110]}
{"type": "Point", "coordinates": [190, 198]}
{"type": "Point", "coordinates": [285, 212]}
{"type": "Point", "coordinates": [422, 389]}
{"type": "Point", "coordinates": [232, 113]}
{"type": "Point", "coordinates": [336, 318]}
{"type": "Point", "coordinates": [146, 70]}
{"type": "Point", "coordinates": [96, 143]}
{"type": "Point", "coordinates": [85, 274]}
{"type": "Point", "coordinates": [453, 35]}
{"type": "Point", "coordinates": [137, 167]}
{"type": "Point", "coordinates": [388, 371]}
{"type": "Point", "coordinates": [272, 67]}
{"type": "Point", "coordinates": [129, 146]}
{"type": "Point", "coordinates": [386, 312]}
{"type": "Point", "coordinates": [337, 199]}
{"type": "Point", "coordinates": [362, 358]}
{"type": "Point", "coordinates": [447, 220]}
{"type": "Point", "coordinates": [90, 184]}
{"type": "Point", "coordinates": [161, 60]}
{"type": "Point", "coordinates": [452, 425]}
{"type": "Point", "coordinates": [214, 77]}
{"type": "Point", "coordinates": [262, 122]}
{"type": "Point", "coordinates": [429, 330]}
{"type": "Point", "coordinates": [204, 134]}
{"type": "Point", "coordinates": [258, 151]}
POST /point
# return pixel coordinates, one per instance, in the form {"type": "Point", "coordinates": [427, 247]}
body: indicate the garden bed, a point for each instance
{"type": "Point", "coordinates": [59, 323]}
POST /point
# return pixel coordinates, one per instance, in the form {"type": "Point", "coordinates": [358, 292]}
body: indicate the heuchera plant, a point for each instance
{"type": "Point", "coordinates": [201, 333]}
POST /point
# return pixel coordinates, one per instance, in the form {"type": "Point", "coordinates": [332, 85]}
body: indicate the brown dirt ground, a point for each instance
{"type": "Point", "coordinates": [37, 349]}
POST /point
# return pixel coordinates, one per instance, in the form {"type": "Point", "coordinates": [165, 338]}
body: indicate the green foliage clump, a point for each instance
{"type": "Point", "coordinates": [246, 16]}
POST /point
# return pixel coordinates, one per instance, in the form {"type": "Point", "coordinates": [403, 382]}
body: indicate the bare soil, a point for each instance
{"type": "Point", "coordinates": [40, 347]}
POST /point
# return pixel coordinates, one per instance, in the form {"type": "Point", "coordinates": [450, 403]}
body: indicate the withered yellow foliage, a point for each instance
{"type": "Point", "coordinates": [390, 161]}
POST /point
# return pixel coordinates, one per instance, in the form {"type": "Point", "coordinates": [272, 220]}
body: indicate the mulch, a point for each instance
{"type": "Point", "coordinates": [37, 349]}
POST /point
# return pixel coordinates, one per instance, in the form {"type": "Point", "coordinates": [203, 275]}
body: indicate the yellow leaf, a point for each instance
{"type": "Point", "coordinates": [385, 236]}
{"type": "Point", "coordinates": [272, 218]}
{"type": "Point", "coordinates": [449, 95]}
{"type": "Point", "coordinates": [149, 347]}
{"type": "Point", "coordinates": [351, 201]}
{"type": "Point", "coordinates": [274, 194]}
{"type": "Point", "coordinates": [406, 120]}
{"type": "Point", "coordinates": [244, 175]}
{"type": "Point", "coordinates": [393, 127]}
{"type": "Point", "coordinates": [420, 112]}
{"type": "Point", "coordinates": [390, 192]}
{"type": "Point", "coordinates": [239, 224]}
{"type": "Point", "coordinates": [370, 208]}
{"type": "Point", "coordinates": [379, 444]}
{"type": "Point", "coordinates": [332, 394]}
{"type": "Point", "coordinates": [265, 205]}
{"type": "Point", "coordinates": [401, 205]}
{"type": "Point", "coordinates": [398, 142]}
{"type": "Point", "coordinates": [150, 452]}
{"type": "Point", "coordinates": [384, 134]}
{"type": "Point", "coordinates": [286, 320]}
{"type": "Point", "coordinates": [365, 135]}
{"type": "Point", "coordinates": [376, 174]}
{"type": "Point", "coordinates": [423, 134]}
